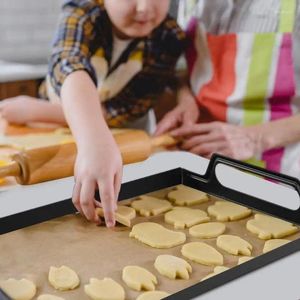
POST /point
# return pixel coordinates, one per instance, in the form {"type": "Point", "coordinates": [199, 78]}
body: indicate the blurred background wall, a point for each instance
{"type": "Point", "coordinates": [27, 28]}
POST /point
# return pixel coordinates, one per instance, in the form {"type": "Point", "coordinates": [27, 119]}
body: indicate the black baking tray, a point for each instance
{"type": "Point", "coordinates": [207, 183]}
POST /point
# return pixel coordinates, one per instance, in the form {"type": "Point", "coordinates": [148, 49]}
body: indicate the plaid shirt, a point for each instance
{"type": "Point", "coordinates": [85, 28]}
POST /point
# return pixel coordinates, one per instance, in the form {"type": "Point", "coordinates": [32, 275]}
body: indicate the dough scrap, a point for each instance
{"type": "Point", "coordinates": [273, 244]}
{"type": "Point", "coordinates": [123, 215]}
{"type": "Point", "coordinates": [157, 236]}
{"type": "Point", "coordinates": [138, 278]}
{"type": "Point", "coordinates": [267, 227]}
{"type": "Point", "coordinates": [182, 217]}
{"type": "Point", "coordinates": [23, 289]}
{"type": "Point", "coordinates": [49, 297]}
{"type": "Point", "coordinates": [106, 289]}
{"type": "Point", "coordinates": [207, 230]}
{"type": "Point", "coordinates": [234, 245]}
{"type": "Point", "coordinates": [63, 278]}
{"type": "Point", "coordinates": [217, 270]}
{"type": "Point", "coordinates": [184, 195]}
{"type": "Point", "coordinates": [172, 267]}
{"type": "Point", "coordinates": [150, 206]}
{"type": "Point", "coordinates": [156, 295]}
{"type": "Point", "coordinates": [227, 211]}
{"type": "Point", "coordinates": [244, 259]}
{"type": "Point", "coordinates": [202, 253]}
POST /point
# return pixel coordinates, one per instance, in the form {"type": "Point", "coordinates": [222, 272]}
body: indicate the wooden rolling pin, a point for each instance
{"type": "Point", "coordinates": [54, 162]}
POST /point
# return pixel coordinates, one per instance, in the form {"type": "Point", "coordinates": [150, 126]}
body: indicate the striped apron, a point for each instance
{"type": "Point", "coordinates": [247, 79]}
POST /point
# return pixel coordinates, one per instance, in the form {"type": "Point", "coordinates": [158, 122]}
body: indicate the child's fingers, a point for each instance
{"type": "Point", "coordinates": [117, 185]}
{"type": "Point", "coordinates": [76, 196]}
{"type": "Point", "coordinates": [87, 194]}
{"type": "Point", "coordinates": [108, 201]}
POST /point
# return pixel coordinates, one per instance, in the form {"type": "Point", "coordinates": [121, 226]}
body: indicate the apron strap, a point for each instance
{"type": "Point", "coordinates": [287, 15]}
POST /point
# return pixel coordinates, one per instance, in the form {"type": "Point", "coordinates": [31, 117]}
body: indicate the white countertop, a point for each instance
{"type": "Point", "coordinates": [11, 71]}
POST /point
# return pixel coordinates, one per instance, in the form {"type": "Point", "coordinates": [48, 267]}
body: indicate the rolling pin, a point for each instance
{"type": "Point", "coordinates": [54, 162]}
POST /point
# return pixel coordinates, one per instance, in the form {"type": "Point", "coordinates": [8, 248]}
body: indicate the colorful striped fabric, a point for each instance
{"type": "Point", "coordinates": [247, 79]}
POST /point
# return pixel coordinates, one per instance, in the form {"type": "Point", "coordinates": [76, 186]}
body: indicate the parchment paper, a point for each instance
{"type": "Point", "coordinates": [94, 251]}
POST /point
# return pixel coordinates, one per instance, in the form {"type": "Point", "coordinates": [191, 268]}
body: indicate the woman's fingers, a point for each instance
{"type": "Point", "coordinates": [208, 148]}
{"type": "Point", "coordinates": [170, 121]}
{"type": "Point", "coordinates": [197, 140]}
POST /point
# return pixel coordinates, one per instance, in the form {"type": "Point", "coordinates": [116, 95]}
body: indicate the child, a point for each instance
{"type": "Point", "coordinates": [244, 72]}
{"type": "Point", "coordinates": [121, 52]}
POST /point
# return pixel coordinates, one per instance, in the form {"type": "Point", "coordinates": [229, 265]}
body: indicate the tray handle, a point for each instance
{"type": "Point", "coordinates": [210, 177]}
{"type": "Point", "coordinates": [254, 170]}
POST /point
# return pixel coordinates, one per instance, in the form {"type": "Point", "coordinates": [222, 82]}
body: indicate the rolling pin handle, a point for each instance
{"type": "Point", "coordinates": [12, 169]}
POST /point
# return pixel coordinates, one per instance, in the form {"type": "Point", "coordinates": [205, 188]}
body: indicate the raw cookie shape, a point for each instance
{"type": "Point", "coordinates": [202, 253]}
{"type": "Point", "coordinates": [157, 236]}
{"type": "Point", "coordinates": [106, 289]}
{"type": "Point", "coordinates": [207, 230]}
{"type": "Point", "coordinates": [234, 245]}
{"type": "Point", "coordinates": [150, 206]}
{"type": "Point", "coordinates": [124, 214]}
{"type": "Point", "coordinates": [227, 211]}
{"type": "Point", "coordinates": [273, 244]}
{"type": "Point", "coordinates": [267, 227]}
{"type": "Point", "coordinates": [138, 278]}
{"type": "Point", "coordinates": [217, 270]}
{"type": "Point", "coordinates": [184, 195]}
{"type": "Point", "coordinates": [63, 278]}
{"type": "Point", "coordinates": [182, 217]}
{"type": "Point", "coordinates": [156, 295]}
{"type": "Point", "coordinates": [244, 259]}
{"type": "Point", "coordinates": [172, 267]}
{"type": "Point", "coordinates": [23, 289]}
{"type": "Point", "coordinates": [49, 297]}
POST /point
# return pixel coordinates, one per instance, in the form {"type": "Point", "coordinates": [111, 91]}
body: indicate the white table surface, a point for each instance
{"type": "Point", "coordinates": [279, 280]}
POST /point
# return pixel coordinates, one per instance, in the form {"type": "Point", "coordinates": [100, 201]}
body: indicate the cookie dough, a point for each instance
{"type": "Point", "coordinates": [124, 214]}
{"type": "Point", "coordinates": [207, 230]}
{"type": "Point", "coordinates": [63, 278]}
{"type": "Point", "coordinates": [49, 297]}
{"type": "Point", "coordinates": [157, 236]}
{"type": "Point", "coordinates": [138, 278]}
{"type": "Point", "coordinates": [184, 195]}
{"type": "Point", "coordinates": [150, 206]}
{"type": "Point", "coordinates": [244, 259]}
{"type": "Point", "coordinates": [172, 267]}
{"type": "Point", "coordinates": [106, 289]}
{"type": "Point", "coordinates": [273, 244]}
{"type": "Point", "coordinates": [156, 295]}
{"type": "Point", "coordinates": [217, 270]}
{"type": "Point", "coordinates": [267, 227]}
{"type": "Point", "coordinates": [22, 289]}
{"type": "Point", "coordinates": [202, 253]}
{"type": "Point", "coordinates": [182, 217]}
{"type": "Point", "coordinates": [234, 245]}
{"type": "Point", "coordinates": [227, 211]}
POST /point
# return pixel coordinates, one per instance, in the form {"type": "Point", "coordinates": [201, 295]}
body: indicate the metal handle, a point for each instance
{"type": "Point", "coordinates": [210, 184]}
{"type": "Point", "coordinates": [254, 170]}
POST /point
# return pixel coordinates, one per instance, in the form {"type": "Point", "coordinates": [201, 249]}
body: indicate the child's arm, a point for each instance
{"type": "Point", "coordinates": [98, 162]}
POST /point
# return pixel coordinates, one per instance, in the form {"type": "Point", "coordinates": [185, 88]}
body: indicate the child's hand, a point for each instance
{"type": "Point", "coordinates": [99, 165]}
{"type": "Point", "coordinates": [184, 114]}
{"type": "Point", "coordinates": [18, 110]}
